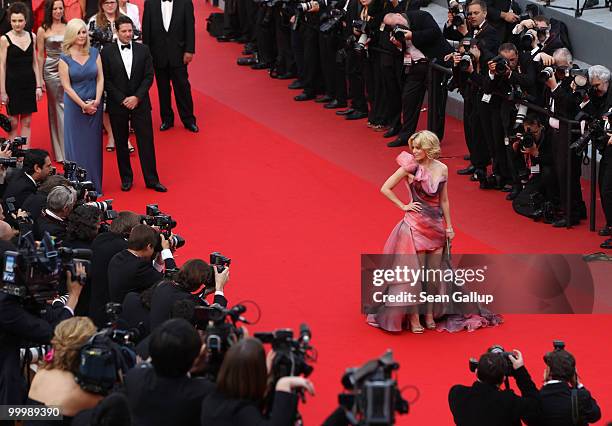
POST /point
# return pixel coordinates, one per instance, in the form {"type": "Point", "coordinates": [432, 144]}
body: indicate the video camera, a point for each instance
{"type": "Point", "coordinates": [373, 396]}
{"type": "Point", "coordinates": [457, 9]}
{"type": "Point", "coordinates": [16, 148]}
{"type": "Point", "coordinates": [35, 272]}
{"type": "Point", "coordinates": [597, 130]}
{"type": "Point", "coordinates": [221, 330]}
{"type": "Point", "coordinates": [292, 356]}
{"type": "Point", "coordinates": [164, 222]}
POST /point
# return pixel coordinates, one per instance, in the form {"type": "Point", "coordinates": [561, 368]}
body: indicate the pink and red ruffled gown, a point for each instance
{"type": "Point", "coordinates": [422, 231]}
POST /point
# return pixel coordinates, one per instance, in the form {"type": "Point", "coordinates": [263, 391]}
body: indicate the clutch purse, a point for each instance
{"type": "Point", "coordinates": [5, 123]}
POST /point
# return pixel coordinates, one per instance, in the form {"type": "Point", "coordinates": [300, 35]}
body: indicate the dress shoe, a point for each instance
{"type": "Point", "coordinates": [165, 126]}
{"type": "Point", "coordinates": [247, 62]}
{"type": "Point", "coordinates": [516, 190]}
{"type": "Point", "coordinates": [466, 157]}
{"type": "Point", "coordinates": [345, 111]}
{"type": "Point", "coordinates": [323, 99]}
{"type": "Point", "coordinates": [334, 104]}
{"type": "Point", "coordinates": [605, 232]}
{"type": "Point", "coordinates": [296, 85]}
{"type": "Point", "coordinates": [562, 223]}
{"type": "Point", "coordinates": [126, 186]}
{"type": "Point", "coordinates": [607, 244]}
{"type": "Point", "coordinates": [261, 66]}
{"type": "Point", "coordinates": [248, 52]}
{"type": "Point", "coordinates": [225, 38]}
{"type": "Point", "coordinates": [243, 40]}
{"type": "Point", "coordinates": [158, 187]}
{"type": "Point", "coordinates": [469, 170]}
{"type": "Point", "coordinates": [304, 97]}
{"type": "Point", "coordinates": [356, 115]}
{"type": "Point", "coordinates": [396, 143]}
{"type": "Point", "coordinates": [192, 128]}
{"type": "Point", "coordinates": [393, 131]}
{"type": "Point", "coordinates": [274, 73]}
{"type": "Point", "coordinates": [286, 76]}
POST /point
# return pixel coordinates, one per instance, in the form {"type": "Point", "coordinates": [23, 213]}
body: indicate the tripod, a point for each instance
{"type": "Point", "coordinates": [579, 10]}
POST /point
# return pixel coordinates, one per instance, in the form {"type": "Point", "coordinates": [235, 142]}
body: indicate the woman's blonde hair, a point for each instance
{"type": "Point", "coordinates": [68, 338]}
{"type": "Point", "coordinates": [72, 31]}
{"type": "Point", "coordinates": [427, 141]}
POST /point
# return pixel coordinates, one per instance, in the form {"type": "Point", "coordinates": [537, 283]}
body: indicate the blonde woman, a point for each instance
{"type": "Point", "coordinates": [426, 224]}
{"type": "Point", "coordinates": [20, 80]}
{"type": "Point", "coordinates": [54, 384]}
{"type": "Point", "coordinates": [80, 71]}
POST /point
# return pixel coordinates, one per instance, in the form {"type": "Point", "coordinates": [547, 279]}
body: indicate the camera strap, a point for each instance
{"type": "Point", "coordinates": [575, 407]}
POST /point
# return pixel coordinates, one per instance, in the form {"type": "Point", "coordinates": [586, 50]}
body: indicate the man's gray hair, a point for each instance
{"type": "Point", "coordinates": [61, 197]}
{"type": "Point", "coordinates": [563, 53]}
{"type": "Point", "coordinates": [599, 72]}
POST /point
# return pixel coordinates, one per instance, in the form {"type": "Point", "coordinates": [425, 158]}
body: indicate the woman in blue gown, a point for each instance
{"type": "Point", "coordinates": [80, 71]}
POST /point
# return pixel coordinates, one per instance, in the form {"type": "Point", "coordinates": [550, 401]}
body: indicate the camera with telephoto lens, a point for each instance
{"type": "Point", "coordinates": [501, 65]}
{"type": "Point", "coordinates": [495, 349]}
{"type": "Point", "coordinates": [77, 176]}
{"type": "Point", "coordinates": [15, 146]}
{"type": "Point", "coordinates": [373, 395]}
{"type": "Point", "coordinates": [399, 32]}
{"type": "Point", "coordinates": [597, 131]}
{"type": "Point", "coordinates": [221, 330]}
{"type": "Point", "coordinates": [22, 219]}
{"type": "Point", "coordinates": [546, 74]}
{"type": "Point", "coordinates": [525, 140]}
{"type": "Point", "coordinates": [359, 42]}
{"type": "Point", "coordinates": [332, 21]}
{"type": "Point", "coordinates": [33, 354]}
{"type": "Point", "coordinates": [35, 271]}
{"type": "Point", "coordinates": [164, 223]}
{"type": "Point", "coordinates": [305, 6]}
{"type": "Point", "coordinates": [457, 9]}
{"type": "Point", "coordinates": [292, 357]}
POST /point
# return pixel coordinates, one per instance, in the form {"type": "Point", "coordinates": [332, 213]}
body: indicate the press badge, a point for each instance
{"type": "Point", "coordinates": [486, 98]}
{"type": "Point", "coordinates": [535, 169]}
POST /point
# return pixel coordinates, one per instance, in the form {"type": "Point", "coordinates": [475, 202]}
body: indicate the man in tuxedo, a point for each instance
{"type": "Point", "coordinates": [423, 42]}
{"type": "Point", "coordinates": [128, 76]}
{"type": "Point", "coordinates": [60, 202]}
{"type": "Point", "coordinates": [133, 269]}
{"type": "Point", "coordinates": [168, 28]}
{"type": "Point", "coordinates": [36, 168]}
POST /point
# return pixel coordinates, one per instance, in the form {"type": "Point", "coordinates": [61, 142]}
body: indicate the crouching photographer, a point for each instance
{"type": "Point", "coordinates": [54, 383]}
{"type": "Point", "coordinates": [242, 385]}
{"type": "Point", "coordinates": [194, 281]}
{"type": "Point", "coordinates": [165, 381]}
{"type": "Point", "coordinates": [30, 280]}
{"type": "Point", "coordinates": [484, 403]}
{"type": "Point", "coordinates": [565, 400]}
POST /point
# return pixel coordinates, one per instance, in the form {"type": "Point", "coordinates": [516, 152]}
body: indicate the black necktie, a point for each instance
{"type": "Point", "coordinates": [125, 46]}
{"type": "Point", "coordinates": [168, 0]}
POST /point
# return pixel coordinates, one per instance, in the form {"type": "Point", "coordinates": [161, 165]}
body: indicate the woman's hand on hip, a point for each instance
{"type": "Point", "coordinates": [413, 206]}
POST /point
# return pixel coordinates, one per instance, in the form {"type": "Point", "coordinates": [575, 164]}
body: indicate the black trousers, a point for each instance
{"type": "Point", "coordinates": [605, 183]}
{"type": "Point", "coordinates": [247, 15]}
{"type": "Point", "coordinates": [493, 133]}
{"type": "Point", "coordinates": [265, 35]}
{"type": "Point", "coordinates": [560, 146]}
{"type": "Point", "coordinates": [312, 68]}
{"type": "Point", "coordinates": [373, 77]}
{"type": "Point", "coordinates": [143, 128]}
{"type": "Point", "coordinates": [285, 61]}
{"type": "Point", "coordinates": [332, 69]}
{"type": "Point", "coordinates": [355, 72]}
{"type": "Point", "coordinates": [297, 47]}
{"type": "Point", "coordinates": [231, 18]}
{"type": "Point", "coordinates": [179, 78]}
{"type": "Point", "coordinates": [392, 88]}
{"type": "Point", "coordinates": [472, 127]}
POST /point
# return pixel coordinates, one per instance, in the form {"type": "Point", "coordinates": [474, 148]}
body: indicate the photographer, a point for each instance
{"type": "Point", "coordinates": [308, 25]}
{"type": "Point", "coordinates": [60, 203]}
{"type": "Point", "coordinates": [600, 103]}
{"type": "Point", "coordinates": [484, 403]}
{"type": "Point", "coordinates": [192, 276]}
{"type": "Point", "coordinates": [535, 36]}
{"type": "Point", "coordinates": [36, 168]}
{"type": "Point", "coordinates": [104, 247]}
{"type": "Point", "coordinates": [420, 40]}
{"type": "Point", "coordinates": [165, 382]}
{"type": "Point", "coordinates": [333, 56]}
{"type": "Point", "coordinates": [133, 269]}
{"type": "Point", "coordinates": [561, 388]}
{"type": "Point", "coordinates": [35, 203]}
{"type": "Point", "coordinates": [19, 326]}
{"type": "Point", "coordinates": [242, 384]}
{"type": "Point", "coordinates": [54, 383]}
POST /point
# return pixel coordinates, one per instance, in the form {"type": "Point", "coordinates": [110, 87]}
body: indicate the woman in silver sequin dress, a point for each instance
{"type": "Point", "coordinates": [50, 38]}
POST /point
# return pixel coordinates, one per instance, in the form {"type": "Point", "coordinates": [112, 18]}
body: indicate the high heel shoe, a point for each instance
{"type": "Point", "coordinates": [417, 329]}
{"type": "Point", "coordinates": [430, 325]}
{"type": "Point", "coordinates": [110, 148]}
{"type": "Point", "coordinates": [131, 149]}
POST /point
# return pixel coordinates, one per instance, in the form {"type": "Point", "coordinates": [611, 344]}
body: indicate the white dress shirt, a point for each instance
{"type": "Point", "coordinates": [166, 9]}
{"type": "Point", "coordinates": [131, 11]}
{"type": "Point", "coordinates": [126, 57]}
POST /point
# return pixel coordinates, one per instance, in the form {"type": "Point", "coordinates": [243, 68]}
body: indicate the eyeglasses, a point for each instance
{"type": "Point", "coordinates": [109, 3]}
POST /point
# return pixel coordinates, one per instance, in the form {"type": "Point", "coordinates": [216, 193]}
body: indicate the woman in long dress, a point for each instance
{"type": "Point", "coordinates": [20, 81]}
{"type": "Point", "coordinates": [80, 70]}
{"type": "Point", "coordinates": [422, 231]}
{"type": "Point", "coordinates": [49, 45]}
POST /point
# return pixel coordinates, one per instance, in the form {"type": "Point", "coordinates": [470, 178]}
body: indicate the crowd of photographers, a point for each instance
{"type": "Point", "coordinates": [93, 304]}
{"type": "Point", "coordinates": [515, 71]}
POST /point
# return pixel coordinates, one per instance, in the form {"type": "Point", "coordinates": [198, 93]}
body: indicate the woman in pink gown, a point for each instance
{"type": "Point", "coordinates": [423, 230]}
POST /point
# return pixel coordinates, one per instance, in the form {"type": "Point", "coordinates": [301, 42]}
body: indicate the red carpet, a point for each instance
{"type": "Point", "coordinates": [290, 193]}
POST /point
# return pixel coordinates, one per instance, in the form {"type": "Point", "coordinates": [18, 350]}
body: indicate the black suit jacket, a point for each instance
{"type": "Point", "coordinates": [21, 187]}
{"type": "Point", "coordinates": [35, 203]}
{"type": "Point", "coordinates": [494, 10]}
{"type": "Point", "coordinates": [54, 227]}
{"type": "Point", "coordinates": [127, 272]}
{"type": "Point", "coordinates": [426, 35]}
{"type": "Point", "coordinates": [116, 82]}
{"type": "Point", "coordinates": [164, 298]}
{"type": "Point", "coordinates": [17, 326]}
{"type": "Point", "coordinates": [104, 247]}
{"type": "Point", "coordinates": [168, 47]}
{"type": "Point", "coordinates": [181, 398]}
{"type": "Point", "coordinates": [488, 40]}
{"type": "Point", "coordinates": [556, 399]}
{"type": "Point", "coordinates": [484, 405]}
